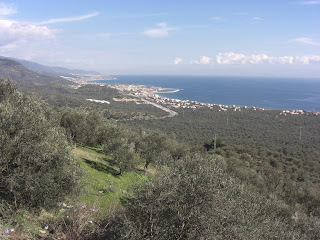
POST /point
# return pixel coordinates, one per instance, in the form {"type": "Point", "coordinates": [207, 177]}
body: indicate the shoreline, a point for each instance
{"type": "Point", "coordinates": [151, 93]}
{"type": "Point", "coordinates": [168, 90]}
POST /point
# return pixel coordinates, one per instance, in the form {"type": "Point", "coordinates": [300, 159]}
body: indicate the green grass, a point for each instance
{"type": "Point", "coordinates": [102, 185]}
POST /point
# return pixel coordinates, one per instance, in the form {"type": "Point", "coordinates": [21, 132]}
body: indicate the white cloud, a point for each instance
{"type": "Point", "coordinates": [314, 58]}
{"type": "Point", "coordinates": [203, 60]}
{"type": "Point", "coordinates": [258, 58]}
{"type": "Point", "coordinates": [230, 58]}
{"type": "Point", "coordinates": [310, 2]}
{"type": "Point", "coordinates": [177, 60]}
{"type": "Point", "coordinates": [258, 19]}
{"type": "Point", "coordinates": [283, 60]}
{"type": "Point", "coordinates": [7, 9]}
{"type": "Point", "coordinates": [238, 58]}
{"type": "Point", "coordinates": [24, 40]}
{"type": "Point", "coordinates": [70, 19]}
{"type": "Point", "coordinates": [162, 31]}
{"type": "Point", "coordinates": [27, 40]}
{"type": "Point", "coordinates": [14, 31]}
{"type": "Point", "coordinates": [308, 59]}
{"type": "Point", "coordinates": [307, 41]}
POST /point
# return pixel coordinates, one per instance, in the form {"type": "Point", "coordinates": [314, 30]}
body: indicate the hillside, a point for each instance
{"type": "Point", "coordinates": [20, 74]}
{"type": "Point", "coordinates": [48, 70]}
{"type": "Point", "coordinates": [72, 174]}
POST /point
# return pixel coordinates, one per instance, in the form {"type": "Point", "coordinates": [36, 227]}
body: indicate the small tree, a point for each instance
{"type": "Point", "coordinates": [153, 146]}
{"type": "Point", "coordinates": [120, 143]}
{"type": "Point", "coordinates": [35, 165]}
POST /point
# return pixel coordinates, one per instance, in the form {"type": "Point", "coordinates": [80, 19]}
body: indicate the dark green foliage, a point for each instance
{"type": "Point", "coordinates": [215, 142]}
{"type": "Point", "coordinates": [121, 141]}
{"type": "Point", "coordinates": [261, 147]}
{"type": "Point", "coordinates": [196, 199]}
{"type": "Point", "coordinates": [154, 146]}
{"type": "Point", "coordinates": [248, 128]}
{"type": "Point", "coordinates": [35, 166]}
{"type": "Point", "coordinates": [129, 147]}
{"type": "Point", "coordinates": [84, 128]}
{"type": "Point", "coordinates": [275, 173]}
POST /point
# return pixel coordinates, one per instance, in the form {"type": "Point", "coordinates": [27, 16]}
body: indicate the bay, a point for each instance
{"type": "Point", "coordinates": [269, 93]}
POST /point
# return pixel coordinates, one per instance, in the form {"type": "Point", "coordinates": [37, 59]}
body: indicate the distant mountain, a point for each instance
{"type": "Point", "coordinates": [18, 73]}
{"type": "Point", "coordinates": [52, 71]}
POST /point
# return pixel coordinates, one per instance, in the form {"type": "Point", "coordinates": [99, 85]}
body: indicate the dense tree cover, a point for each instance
{"type": "Point", "coordinates": [130, 148]}
{"type": "Point", "coordinates": [276, 173]}
{"type": "Point", "coordinates": [35, 166]}
{"type": "Point", "coordinates": [269, 142]}
{"type": "Point", "coordinates": [85, 128]}
{"type": "Point", "coordinates": [248, 128]}
{"type": "Point", "coordinates": [197, 199]}
{"type": "Point", "coordinates": [127, 146]}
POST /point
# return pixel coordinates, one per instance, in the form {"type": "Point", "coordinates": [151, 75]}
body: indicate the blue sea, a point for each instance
{"type": "Point", "coordinates": [270, 93]}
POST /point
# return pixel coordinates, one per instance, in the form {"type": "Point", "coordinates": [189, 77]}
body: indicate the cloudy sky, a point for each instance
{"type": "Point", "coordinates": [199, 37]}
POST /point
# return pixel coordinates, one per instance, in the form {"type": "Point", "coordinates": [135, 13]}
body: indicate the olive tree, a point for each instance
{"type": "Point", "coordinates": [120, 142]}
{"type": "Point", "coordinates": [35, 165]}
{"type": "Point", "coordinates": [196, 199]}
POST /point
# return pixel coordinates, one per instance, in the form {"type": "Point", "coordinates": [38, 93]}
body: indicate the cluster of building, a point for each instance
{"type": "Point", "coordinates": [81, 79]}
{"type": "Point", "coordinates": [150, 93]}
{"type": "Point", "coordinates": [298, 112]}
{"type": "Point", "coordinates": [137, 90]}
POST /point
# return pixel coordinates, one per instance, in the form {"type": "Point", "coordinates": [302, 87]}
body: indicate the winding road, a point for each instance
{"type": "Point", "coordinates": [171, 112]}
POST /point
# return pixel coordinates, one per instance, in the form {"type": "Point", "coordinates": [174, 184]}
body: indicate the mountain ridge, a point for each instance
{"type": "Point", "coordinates": [20, 74]}
{"type": "Point", "coordinates": [49, 70]}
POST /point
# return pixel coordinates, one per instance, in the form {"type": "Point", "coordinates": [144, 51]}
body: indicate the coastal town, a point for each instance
{"type": "Point", "coordinates": [82, 79]}
{"type": "Point", "coordinates": [141, 94]}
{"type": "Point", "coordinates": [151, 94]}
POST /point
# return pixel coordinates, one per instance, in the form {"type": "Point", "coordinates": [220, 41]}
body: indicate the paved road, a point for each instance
{"type": "Point", "coordinates": [171, 112]}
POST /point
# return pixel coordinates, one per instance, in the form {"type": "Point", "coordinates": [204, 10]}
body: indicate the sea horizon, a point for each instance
{"type": "Point", "coordinates": [274, 93]}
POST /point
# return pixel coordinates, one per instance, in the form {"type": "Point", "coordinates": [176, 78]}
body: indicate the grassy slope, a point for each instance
{"type": "Point", "coordinates": [102, 185]}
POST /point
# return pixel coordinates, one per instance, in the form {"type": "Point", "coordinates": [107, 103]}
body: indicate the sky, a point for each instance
{"type": "Point", "coordinates": [279, 38]}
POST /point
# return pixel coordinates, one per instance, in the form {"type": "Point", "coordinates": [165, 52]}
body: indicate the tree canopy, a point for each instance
{"type": "Point", "coordinates": [35, 165]}
{"type": "Point", "coordinates": [197, 199]}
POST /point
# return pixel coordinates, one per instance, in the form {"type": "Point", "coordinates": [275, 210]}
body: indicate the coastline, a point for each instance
{"type": "Point", "coordinates": [153, 94]}
{"type": "Point", "coordinates": [148, 93]}
{"type": "Point", "coordinates": [168, 90]}
{"type": "Point", "coordinates": [274, 93]}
